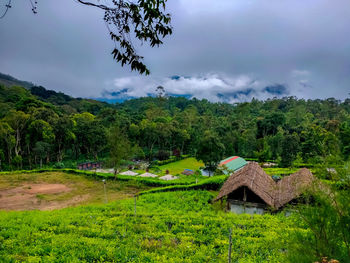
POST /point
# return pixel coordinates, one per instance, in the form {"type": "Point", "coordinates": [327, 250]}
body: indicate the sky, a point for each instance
{"type": "Point", "coordinates": [220, 50]}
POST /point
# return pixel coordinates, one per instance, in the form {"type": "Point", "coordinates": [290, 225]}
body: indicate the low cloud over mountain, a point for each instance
{"type": "Point", "coordinates": [214, 87]}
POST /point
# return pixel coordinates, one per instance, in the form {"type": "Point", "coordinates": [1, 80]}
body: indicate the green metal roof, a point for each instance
{"type": "Point", "coordinates": [233, 163]}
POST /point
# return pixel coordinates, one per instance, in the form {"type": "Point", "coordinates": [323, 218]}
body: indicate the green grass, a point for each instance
{"type": "Point", "coordinates": [212, 183]}
{"type": "Point", "coordinates": [178, 167]}
{"type": "Point", "coordinates": [168, 227]}
{"type": "Point", "coordinates": [280, 171]}
{"type": "Point", "coordinates": [287, 171]}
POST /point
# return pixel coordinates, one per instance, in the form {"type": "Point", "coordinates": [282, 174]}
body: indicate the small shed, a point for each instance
{"type": "Point", "coordinates": [187, 172]}
{"type": "Point", "coordinates": [89, 165]}
{"type": "Point", "coordinates": [251, 190]}
{"type": "Point", "coordinates": [233, 163]}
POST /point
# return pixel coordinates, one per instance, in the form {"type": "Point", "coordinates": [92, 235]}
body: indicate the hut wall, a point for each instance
{"type": "Point", "coordinates": [239, 207]}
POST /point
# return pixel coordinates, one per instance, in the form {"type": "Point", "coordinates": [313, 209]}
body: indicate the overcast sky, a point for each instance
{"type": "Point", "coordinates": [222, 50]}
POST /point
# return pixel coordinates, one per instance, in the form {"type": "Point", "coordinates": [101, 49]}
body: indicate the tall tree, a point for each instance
{"type": "Point", "coordinates": [40, 131]}
{"type": "Point", "coordinates": [18, 121]}
{"type": "Point", "coordinates": [7, 136]}
{"type": "Point", "coordinates": [119, 145]}
{"type": "Point", "coordinates": [63, 130]}
{"type": "Point", "coordinates": [211, 150]}
{"type": "Point", "coordinates": [290, 148]}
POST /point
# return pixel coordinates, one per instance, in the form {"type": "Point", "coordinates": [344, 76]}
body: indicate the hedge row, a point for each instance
{"type": "Point", "coordinates": [213, 183]}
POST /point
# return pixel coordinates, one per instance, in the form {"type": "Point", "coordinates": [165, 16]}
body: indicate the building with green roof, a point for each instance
{"type": "Point", "coordinates": [232, 164]}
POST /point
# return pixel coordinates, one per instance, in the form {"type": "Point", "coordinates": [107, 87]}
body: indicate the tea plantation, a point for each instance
{"type": "Point", "coordinates": [178, 226]}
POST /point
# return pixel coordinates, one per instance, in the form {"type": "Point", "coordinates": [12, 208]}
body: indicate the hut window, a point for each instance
{"type": "Point", "coordinates": [245, 194]}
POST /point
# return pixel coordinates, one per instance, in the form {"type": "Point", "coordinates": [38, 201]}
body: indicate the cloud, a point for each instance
{"type": "Point", "coordinates": [300, 73]}
{"type": "Point", "coordinates": [301, 45]}
{"type": "Point", "coordinates": [213, 87]}
{"type": "Point", "coordinates": [277, 89]}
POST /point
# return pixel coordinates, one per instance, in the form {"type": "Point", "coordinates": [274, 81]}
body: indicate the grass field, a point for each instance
{"type": "Point", "coordinates": [280, 171]}
{"type": "Point", "coordinates": [178, 167]}
{"type": "Point", "coordinates": [168, 227]}
{"type": "Point", "coordinates": [180, 226]}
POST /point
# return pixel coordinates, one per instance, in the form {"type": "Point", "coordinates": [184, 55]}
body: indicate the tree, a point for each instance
{"type": "Point", "coordinates": [345, 139]}
{"type": "Point", "coordinates": [40, 131]}
{"type": "Point", "coordinates": [290, 148]}
{"type": "Point", "coordinates": [90, 134]}
{"type": "Point", "coordinates": [211, 150]}
{"type": "Point", "coordinates": [144, 20]}
{"type": "Point", "coordinates": [119, 145]}
{"type": "Point", "coordinates": [275, 143]}
{"type": "Point", "coordinates": [41, 150]}
{"type": "Point", "coordinates": [18, 121]}
{"type": "Point", "coordinates": [63, 129]}
{"type": "Point", "coordinates": [97, 138]}
{"type": "Point", "coordinates": [8, 138]}
{"type": "Point", "coordinates": [263, 152]}
{"type": "Point", "coordinates": [313, 144]}
{"type": "Point", "coordinates": [269, 125]}
{"type": "Point", "coordinates": [2, 157]}
{"type": "Point", "coordinates": [150, 135]}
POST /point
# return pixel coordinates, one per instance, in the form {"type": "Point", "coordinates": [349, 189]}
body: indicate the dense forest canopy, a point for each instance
{"type": "Point", "coordinates": [38, 126]}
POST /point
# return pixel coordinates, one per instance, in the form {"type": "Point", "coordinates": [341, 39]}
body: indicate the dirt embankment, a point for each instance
{"type": "Point", "coordinates": [31, 196]}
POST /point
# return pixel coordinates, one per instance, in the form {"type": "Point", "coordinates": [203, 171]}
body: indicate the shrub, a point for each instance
{"type": "Point", "coordinates": [58, 165]}
{"type": "Point", "coordinates": [163, 155]}
{"type": "Point", "coordinates": [212, 183]}
{"type": "Point", "coordinates": [326, 224]}
{"type": "Point", "coordinates": [17, 161]}
{"type": "Point", "coordinates": [177, 153]}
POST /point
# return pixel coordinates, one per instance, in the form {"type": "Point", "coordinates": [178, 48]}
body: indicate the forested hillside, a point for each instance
{"type": "Point", "coordinates": [41, 126]}
{"type": "Point", "coordinates": [9, 81]}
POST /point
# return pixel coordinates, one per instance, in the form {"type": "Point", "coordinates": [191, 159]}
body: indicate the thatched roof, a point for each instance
{"type": "Point", "coordinates": [292, 186]}
{"type": "Point", "coordinates": [274, 194]}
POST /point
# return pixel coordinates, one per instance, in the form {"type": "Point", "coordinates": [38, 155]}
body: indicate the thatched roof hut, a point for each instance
{"type": "Point", "coordinates": [262, 188]}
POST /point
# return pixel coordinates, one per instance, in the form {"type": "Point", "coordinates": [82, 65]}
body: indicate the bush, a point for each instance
{"type": "Point", "coordinates": [176, 153]}
{"type": "Point", "coordinates": [163, 155]}
{"type": "Point", "coordinates": [212, 183]}
{"type": "Point", "coordinates": [17, 160]}
{"type": "Point", "coordinates": [326, 224]}
{"type": "Point", "coordinates": [58, 165]}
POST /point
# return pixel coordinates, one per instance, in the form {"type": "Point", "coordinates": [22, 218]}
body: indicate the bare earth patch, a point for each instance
{"type": "Point", "coordinates": [29, 197]}
{"type": "Point", "coordinates": [56, 190]}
